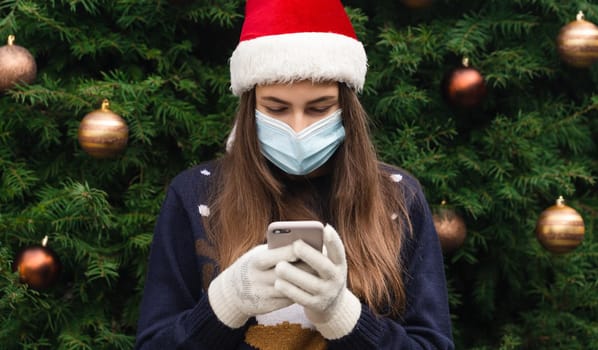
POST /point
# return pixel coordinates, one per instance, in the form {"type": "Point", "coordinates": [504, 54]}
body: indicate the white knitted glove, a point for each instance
{"type": "Point", "coordinates": [329, 305]}
{"type": "Point", "coordinates": [246, 288]}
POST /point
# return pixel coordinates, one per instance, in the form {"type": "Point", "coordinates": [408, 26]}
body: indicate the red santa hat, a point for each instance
{"type": "Point", "coordinates": [283, 41]}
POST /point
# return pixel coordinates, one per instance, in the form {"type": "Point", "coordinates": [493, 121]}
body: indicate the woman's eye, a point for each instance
{"type": "Point", "coordinates": [276, 109]}
{"type": "Point", "coordinates": [320, 109]}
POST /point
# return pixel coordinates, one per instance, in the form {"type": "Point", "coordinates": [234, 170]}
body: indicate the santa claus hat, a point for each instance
{"type": "Point", "coordinates": [290, 40]}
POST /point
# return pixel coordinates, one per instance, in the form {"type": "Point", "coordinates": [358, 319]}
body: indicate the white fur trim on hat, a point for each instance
{"type": "Point", "coordinates": [286, 58]}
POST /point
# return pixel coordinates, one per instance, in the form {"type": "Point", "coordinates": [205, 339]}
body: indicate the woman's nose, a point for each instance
{"type": "Point", "coordinates": [298, 121]}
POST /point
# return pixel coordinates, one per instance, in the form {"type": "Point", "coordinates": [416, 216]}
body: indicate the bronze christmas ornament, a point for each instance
{"type": "Point", "coordinates": [38, 266]}
{"type": "Point", "coordinates": [450, 227]}
{"type": "Point", "coordinates": [17, 65]}
{"type": "Point", "coordinates": [577, 43]}
{"type": "Point", "coordinates": [417, 4]}
{"type": "Point", "coordinates": [464, 86]}
{"type": "Point", "coordinates": [560, 228]}
{"type": "Point", "coordinates": [103, 133]}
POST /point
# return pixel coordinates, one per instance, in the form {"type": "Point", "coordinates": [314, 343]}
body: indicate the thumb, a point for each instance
{"type": "Point", "coordinates": [265, 259]}
{"type": "Point", "coordinates": [334, 246]}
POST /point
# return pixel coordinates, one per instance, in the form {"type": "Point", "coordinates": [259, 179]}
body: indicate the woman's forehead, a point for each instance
{"type": "Point", "coordinates": [297, 90]}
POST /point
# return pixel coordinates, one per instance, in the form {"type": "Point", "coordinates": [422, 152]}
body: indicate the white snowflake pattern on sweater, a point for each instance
{"type": "Point", "coordinates": [204, 210]}
{"type": "Point", "coordinates": [396, 177]}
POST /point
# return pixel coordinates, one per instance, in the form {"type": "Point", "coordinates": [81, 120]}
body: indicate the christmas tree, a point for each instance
{"type": "Point", "coordinates": [527, 137]}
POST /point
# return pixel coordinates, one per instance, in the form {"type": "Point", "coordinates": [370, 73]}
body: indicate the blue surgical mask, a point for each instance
{"type": "Point", "coordinates": [299, 153]}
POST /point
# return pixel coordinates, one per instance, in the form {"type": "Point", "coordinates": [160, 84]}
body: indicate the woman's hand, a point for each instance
{"type": "Point", "coordinates": [246, 288]}
{"type": "Point", "coordinates": [329, 305]}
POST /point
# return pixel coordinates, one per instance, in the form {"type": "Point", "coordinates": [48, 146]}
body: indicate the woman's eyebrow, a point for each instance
{"type": "Point", "coordinates": [274, 99]}
{"type": "Point", "coordinates": [323, 99]}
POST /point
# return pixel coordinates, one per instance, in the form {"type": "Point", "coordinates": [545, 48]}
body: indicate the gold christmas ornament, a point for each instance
{"type": "Point", "coordinates": [417, 4]}
{"type": "Point", "coordinates": [560, 228]}
{"type": "Point", "coordinates": [38, 266]}
{"type": "Point", "coordinates": [103, 133]}
{"type": "Point", "coordinates": [17, 65]}
{"type": "Point", "coordinates": [450, 227]}
{"type": "Point", "coordinates": [577, 43]}
{"type": "Point", "coordinates": [464, 86]}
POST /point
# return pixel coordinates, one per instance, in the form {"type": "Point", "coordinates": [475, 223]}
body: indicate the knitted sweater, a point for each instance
{"type": "Point", "coordinates": [175, 312]}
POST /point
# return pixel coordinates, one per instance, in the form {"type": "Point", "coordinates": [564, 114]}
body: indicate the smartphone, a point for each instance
{"type": "Point", "coordinates": [281, 233]}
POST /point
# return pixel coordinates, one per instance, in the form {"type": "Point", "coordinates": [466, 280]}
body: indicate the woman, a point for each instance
{"type": "Point", "coordinates": [300, 150]}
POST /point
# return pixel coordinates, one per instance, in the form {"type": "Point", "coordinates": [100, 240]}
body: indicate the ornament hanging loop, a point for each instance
{"type": "Point", "coordinates": [105, 105]}
{"type": "Point", "coordinates": [465, 61]}
{"type": "Point", "coordinates": [580, 16]}
{"type": "Point", "coordinates": [45, 241]}
{"type": "Point", "coordinates": [560, 201]}
{"type": "Point", "coordinates": [11, 39]}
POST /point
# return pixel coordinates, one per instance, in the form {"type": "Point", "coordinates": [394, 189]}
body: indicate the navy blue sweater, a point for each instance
{"type": "Point", "coordinates": [175, 312]}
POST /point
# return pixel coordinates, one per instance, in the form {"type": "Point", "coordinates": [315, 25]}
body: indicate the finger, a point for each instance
{"type": "Point", "coordinates": [318, 261]}
{"type": "Point", "coordinates": [293, 292]}
{"type": "Point", "coordinates": [270, 292]}
{"type": "Point", "coordinates": [334, 245]}
{"type": "Point", "coordinates": [303, 266]}
{"type": "Point", "coordinates": [266, 277]}
{"type": "Point", "coordinates": [308, 282]}
{"type": "Point", "coordinates": [268, 258]}
{"type": "Point", "coordinates": [277, 303]}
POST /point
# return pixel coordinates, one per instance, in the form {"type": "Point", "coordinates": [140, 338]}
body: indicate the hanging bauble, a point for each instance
{"type": "Point", "coordinates": [38, 266]}
{"type": "Point", "coordinates": [464, 86]}
{"type": "Point", "coordinates": [417, 4]}
{"type": "Point", "coordinates": [560, 228]}
{"type": "Point", "coordinates": [450, 227]}
{"type": "Point", "coordinates": [103, 133]}
{"type": "Point", "coordinates": [17, 65]}
{"type": "Point", "coordinates": [577, 43]}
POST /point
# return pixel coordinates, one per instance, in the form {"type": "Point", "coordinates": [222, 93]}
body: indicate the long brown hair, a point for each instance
{"type": "Point", "coordinates": [367, 209]}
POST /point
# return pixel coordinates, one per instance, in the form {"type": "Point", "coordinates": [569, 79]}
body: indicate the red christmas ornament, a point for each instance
{"type": "Point", "coordinates": [560, 228]}
{"type": "Point", "coordinates": [464, 86]}
{"type": "Point", "coordinates": [38, 266]}
{"type": "Point", "coordinates": [577, 43]}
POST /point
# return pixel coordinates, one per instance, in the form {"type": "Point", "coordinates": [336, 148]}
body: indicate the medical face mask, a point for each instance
{"type": "Point", "coordinates": [299, 153]}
